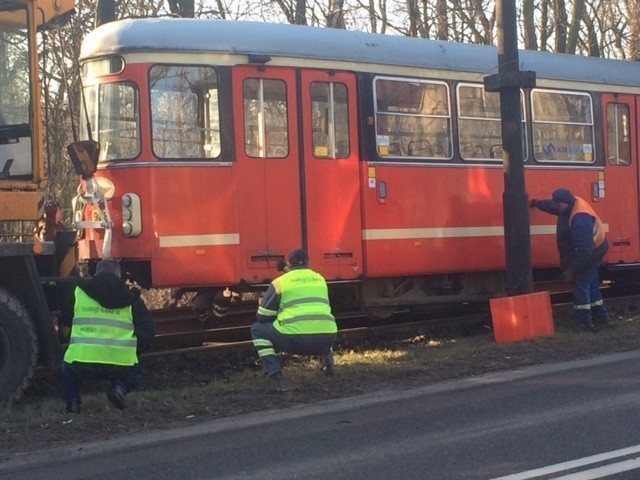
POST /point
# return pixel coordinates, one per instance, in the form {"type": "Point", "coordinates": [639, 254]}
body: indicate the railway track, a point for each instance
{"type": "Point", "coordinates": [180, 331]}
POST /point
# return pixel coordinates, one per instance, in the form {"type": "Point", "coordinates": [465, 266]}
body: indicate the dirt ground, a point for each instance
{"type": "Point", "coordinates": [183, 390]}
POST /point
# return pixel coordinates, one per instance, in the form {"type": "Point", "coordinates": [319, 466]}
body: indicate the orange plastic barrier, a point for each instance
{"type": "Point", "coordinates": [522, 317]}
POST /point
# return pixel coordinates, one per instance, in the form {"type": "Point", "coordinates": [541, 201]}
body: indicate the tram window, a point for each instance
{"type": "Point", "coordinates": [562, 126]}
{"type": "Point", "coordinates": [102, 67]}
{"type": "Point", "coordinates": [618, 140]}
{"type": "Point", "coordinates": [479, 125]}
{"type": "Point", "coordinates": [413, 118]}
{"type": "Point", "coordinates": [185, 117]}
{"type": "Point", "coordinates": [265, 118]}
{"type": "Point", "coordinates": [329, 109]}
{"type": "Point", "coordinates": [112, 109]}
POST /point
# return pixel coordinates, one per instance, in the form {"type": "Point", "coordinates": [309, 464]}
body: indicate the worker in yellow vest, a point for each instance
{"type": "Point", "coordinates": [110, 326]}
{"type": "Point", "coordinates": [295, 317]}
{"type": "Point", "coordinates": [582, 245]}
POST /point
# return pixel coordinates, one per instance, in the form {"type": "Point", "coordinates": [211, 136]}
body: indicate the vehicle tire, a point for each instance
{"type": "Point", "coordinates": [18, 349]}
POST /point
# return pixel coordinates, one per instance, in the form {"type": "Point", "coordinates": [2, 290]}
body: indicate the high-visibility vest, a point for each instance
{"type": "Point", "coordinates": [581, 206]}
{"type": "Point", "coordinates": [304, 304]}
{"type": "Point", "coordinates": [101, 335]}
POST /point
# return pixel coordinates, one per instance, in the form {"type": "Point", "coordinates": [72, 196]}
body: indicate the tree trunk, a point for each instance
{"type": "Point", "coordinates": [529, 25]}
{"type": "Point", "coordinates": [443, 20]}
{"type": "Point", "coordinates": [301, 12]}
{"type": "Point", "coordinates": [412, 11]}
{"type": "Point", "coordinates": [574, 28]}
{"type": "Point", "coordinates": [560, 25]}
{"type": "Point", "coordinates": [633, 12]}
{"type": "Point", "coordinates": [592, 37]}
{"type": "Point", "coordinates": [544, 26]}
{"type": "Point", "coordinates": [373, 18]}
{"type": "Point", "coordinates": [182, 8]}
{"type": "Point", "coordinates": [335, 18]}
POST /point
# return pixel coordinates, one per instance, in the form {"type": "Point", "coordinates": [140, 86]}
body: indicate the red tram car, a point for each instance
{"type": "Point", "coordinates": [224, 145]}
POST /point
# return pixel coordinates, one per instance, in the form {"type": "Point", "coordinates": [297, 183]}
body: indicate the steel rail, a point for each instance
{"type": "Point", "coordinates": [207, 336]}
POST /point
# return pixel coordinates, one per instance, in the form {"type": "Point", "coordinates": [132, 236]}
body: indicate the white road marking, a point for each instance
{"type": "Point", "coordinates": [581, 462]}
{"type": "Point", "coordinates": [604, 471]}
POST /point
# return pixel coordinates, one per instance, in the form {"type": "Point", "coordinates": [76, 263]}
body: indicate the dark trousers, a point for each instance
{"type": "Point", "coordinates": [268, 341]}
{"type": "Point", "coordinates": [587, 299]}
{"type": "Point", "coordinates": [73, 374]}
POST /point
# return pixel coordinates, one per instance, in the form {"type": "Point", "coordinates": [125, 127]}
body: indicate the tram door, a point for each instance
{"type": "Point", "coordinates": [266, 169]}
{"type": "Point", "coordinates": [297, 178]}
{"type": "Point", "coordinates": [331, 182]}
{"type": "Point", "coordinates": [620, 180]}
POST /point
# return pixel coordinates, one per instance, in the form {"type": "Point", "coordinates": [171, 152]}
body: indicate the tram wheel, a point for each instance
{"type": "Point", "coordinates": [372, 290]}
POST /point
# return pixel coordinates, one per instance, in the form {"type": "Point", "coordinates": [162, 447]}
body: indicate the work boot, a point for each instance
{"type": "Point", "coordinates": [275, 382]}
{"type": "Point", "coordinates": [117, 396]}
{"type": "Point", "coordinates": [327, 367]}
{"type": "Point", "coordinates": [600, 316]}
{"type": "Point", "coordinates": [587, 326]}
{"type": "Point", "coordinates": [73, 406]}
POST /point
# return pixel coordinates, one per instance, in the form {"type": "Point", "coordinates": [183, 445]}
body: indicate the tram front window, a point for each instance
{"type": "Point", "coordinates": [185, 118]}
{"type": "Point", "coordinates": [112, 111]}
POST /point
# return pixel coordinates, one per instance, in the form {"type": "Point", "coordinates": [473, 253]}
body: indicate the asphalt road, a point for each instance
{"type": "Point", "coordinates": [570, 421]}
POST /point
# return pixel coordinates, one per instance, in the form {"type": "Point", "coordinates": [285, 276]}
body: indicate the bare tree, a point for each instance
{"type": "Point", "coordinates": [633, 14]}
{"type": "Point", "coordinates": [182, 8]}
{"type": "Point", "coordinates": [596, 27]}
{"type": "Point", "coordinates": [373, 17]}
{"type": "Point", "coordinates": [335, 16]}
{"type": "Point", "coordinates": [560, 25]}
{"type": "Point", "coordinates": [529, 25]}
{"type": "Point", "coordinates": [592, 42]}
{"type": "Point", "coordinates": [474, 24]}
{"type": "Point", "coordinates": [574, 27]}
{"type": "Point", "coordinates": [414, 17]}
{"type": "Point", "coordinates": [293, 10]}
{"type": "Point", "coordinates": [442, 20]}
{"type": "Point", "coordinates": [545, 27]}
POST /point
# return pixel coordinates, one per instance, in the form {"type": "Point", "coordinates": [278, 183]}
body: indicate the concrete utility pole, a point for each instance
{"type": "Point", "coordinates": [508, 81]}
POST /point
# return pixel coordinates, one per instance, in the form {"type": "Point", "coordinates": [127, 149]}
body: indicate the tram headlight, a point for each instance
{"type": "Point", "coordinates": [131, 215]}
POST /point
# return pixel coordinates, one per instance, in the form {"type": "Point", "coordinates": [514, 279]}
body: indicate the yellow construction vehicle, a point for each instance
{"type": "Point", "coordinates": [28, 266]}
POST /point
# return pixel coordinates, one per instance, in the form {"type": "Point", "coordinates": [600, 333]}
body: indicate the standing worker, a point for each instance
{"type": "Point", "coordinates": [582, 245]}
{"type": "Point", "coordinates": [295, 316]}
{"type": "Point", "coordinates": [110, 326]}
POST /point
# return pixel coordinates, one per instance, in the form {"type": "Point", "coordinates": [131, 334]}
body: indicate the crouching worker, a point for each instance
{"type": "Point", "coordinates": [295, 317]}
{"type": "Point", "coordinates": [110, 326]}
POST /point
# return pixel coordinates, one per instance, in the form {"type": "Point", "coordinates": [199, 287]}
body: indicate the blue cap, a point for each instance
{"type": "Point", "coordinates": [562, 195]}
{"type": "Point", "coordinates": [298, 258]}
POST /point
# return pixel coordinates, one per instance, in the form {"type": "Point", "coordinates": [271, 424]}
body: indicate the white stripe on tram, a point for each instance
{"type": "Point", "coordinates": [214, 239]}
{"type": "Point", "coordinates": [217, 239]}
{"type": "Point", "coordinates": [581, 462]}
{"type": "Point", "coordinates": [447, 232]}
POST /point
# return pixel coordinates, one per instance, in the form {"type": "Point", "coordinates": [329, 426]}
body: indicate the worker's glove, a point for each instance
{"type": "Point", "coordinates": [567, 275]}
{"type": "Point", "coordinates": [281, 266]}
{"type": "Point", "coordinates": [532, 202]}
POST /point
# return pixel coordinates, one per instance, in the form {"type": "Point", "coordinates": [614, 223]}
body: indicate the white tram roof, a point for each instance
{"type": "Point", "coordinates": [164, 35]}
